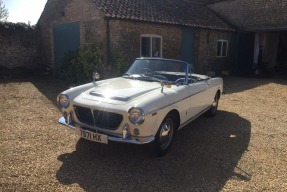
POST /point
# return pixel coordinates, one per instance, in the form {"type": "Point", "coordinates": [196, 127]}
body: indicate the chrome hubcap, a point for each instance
{"type": "Point", "coordinates": [166, 133]}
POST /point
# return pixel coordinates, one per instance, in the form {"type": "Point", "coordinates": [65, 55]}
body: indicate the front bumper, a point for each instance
{"type": "Point", "coordinates": [127, 139]}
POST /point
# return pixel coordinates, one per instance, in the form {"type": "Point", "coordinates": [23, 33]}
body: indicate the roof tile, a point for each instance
{"type": "Point", "coordinates": [176, 12]}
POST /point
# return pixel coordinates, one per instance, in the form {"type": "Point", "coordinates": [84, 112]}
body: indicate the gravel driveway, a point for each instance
{"type": "Point", "coordinates": [243, 148]}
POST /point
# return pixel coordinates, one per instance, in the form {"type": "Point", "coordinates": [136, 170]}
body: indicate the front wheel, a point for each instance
{"type": "Point", "coordinates": [165, 136]}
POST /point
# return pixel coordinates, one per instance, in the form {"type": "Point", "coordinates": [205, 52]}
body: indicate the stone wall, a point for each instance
{"type": "Point", "coordinates": [19, 46]}
{"type": "Point", "coordinates": [255, 15]}
{"type": "Point", "coordinates": [207, 49]}
{"type": "Point", "coordinates": [92, 24]}
{"type": "Point", "coordinates": [125, 36]}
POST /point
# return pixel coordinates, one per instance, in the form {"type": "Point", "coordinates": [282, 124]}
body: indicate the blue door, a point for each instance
{"type": "Point", "coordinates": [66, 38]}
{"type": "Point", "coordinates": [187, 46]}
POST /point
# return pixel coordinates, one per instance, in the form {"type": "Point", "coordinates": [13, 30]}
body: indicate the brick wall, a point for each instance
{"type": "Point", "coordinates": [18, 46]}
{"type": "Point", "coordinates": [125, 35]}
{"type": "Point", "coordinates": [92, 24]}
{"type": "Point", "coordinates": [206, 59]}
{"type": "Point", "coordinates": [253, 15]}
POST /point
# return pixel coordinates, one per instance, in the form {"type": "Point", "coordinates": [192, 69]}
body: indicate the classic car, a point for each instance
{"type": "Point", "coordinates": [154, 99]}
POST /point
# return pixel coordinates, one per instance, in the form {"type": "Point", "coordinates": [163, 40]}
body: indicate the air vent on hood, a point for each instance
{"type": "Point", "coordinates": [118, 98]}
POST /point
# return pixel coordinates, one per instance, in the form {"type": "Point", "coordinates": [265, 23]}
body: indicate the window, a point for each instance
{"type": "Point", "coordinates": [151, 46]}
{"type": "Point", "coordinates": [222, 48]}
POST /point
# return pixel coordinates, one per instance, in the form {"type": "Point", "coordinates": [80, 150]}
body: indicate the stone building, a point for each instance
{"type": "Point", "coordinates": [262, 33]}
{"type": "Point", "coordinates": [178, 29]}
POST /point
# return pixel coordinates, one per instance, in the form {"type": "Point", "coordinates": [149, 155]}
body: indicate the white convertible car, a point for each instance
{"type": "Point", "coordinates": [153, 100]}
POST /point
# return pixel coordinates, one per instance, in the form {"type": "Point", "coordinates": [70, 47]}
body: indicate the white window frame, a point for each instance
{"type": "Point", "coordinates": [151, 36]}
{"type": "Point", "coordinates": [221, 41]}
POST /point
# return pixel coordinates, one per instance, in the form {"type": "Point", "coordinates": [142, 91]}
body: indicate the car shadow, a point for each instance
{"type": "Point", "coordinates": [204, 157]}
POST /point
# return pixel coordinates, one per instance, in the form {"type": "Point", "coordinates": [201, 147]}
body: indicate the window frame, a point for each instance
{"type": "Point", "coordinates": [151, 36]}
{"type": "Point", "coordinates": [222, 41]}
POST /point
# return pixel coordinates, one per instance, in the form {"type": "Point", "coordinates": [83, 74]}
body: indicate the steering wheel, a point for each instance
{"type": "Point", "coordinates": [161, 77]}
{"type": "Point", "coordinates": [148, 71]}
{"type": "Point", "coordinates": [180, 80]}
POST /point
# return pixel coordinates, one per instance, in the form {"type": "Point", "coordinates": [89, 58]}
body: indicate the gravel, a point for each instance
{"type": "Point", "coordinates": [243, 148]}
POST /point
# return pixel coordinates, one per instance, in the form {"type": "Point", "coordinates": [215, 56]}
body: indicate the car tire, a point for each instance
{"type": "Point", "coordinates": [165, 135]}
{"type": "Point", "coordinates": [213, 109]}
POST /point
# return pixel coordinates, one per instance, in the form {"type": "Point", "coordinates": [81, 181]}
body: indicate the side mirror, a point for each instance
{"type": "Point", "coordinates": [96, 76]}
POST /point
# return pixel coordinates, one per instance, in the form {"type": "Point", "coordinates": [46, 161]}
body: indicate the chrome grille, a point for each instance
{"type": "Point", "coordinates": [102, 119]}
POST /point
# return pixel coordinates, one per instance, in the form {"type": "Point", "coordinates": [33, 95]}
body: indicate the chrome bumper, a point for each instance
{"type": "Point", "coordinates": [141, 140]}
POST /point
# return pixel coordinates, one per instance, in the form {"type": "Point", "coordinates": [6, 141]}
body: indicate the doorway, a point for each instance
{"type": "Point", "coordinates": [66, 38]}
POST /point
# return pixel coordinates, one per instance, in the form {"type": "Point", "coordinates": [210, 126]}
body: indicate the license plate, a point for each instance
{"type": "Point", "coordinates": [96, 137]}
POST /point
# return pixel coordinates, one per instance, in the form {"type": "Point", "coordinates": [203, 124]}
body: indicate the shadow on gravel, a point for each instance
{"type": "Point", "coordinates": [48, 86]}
{"type": "Point", "coordinates": [204, 157]}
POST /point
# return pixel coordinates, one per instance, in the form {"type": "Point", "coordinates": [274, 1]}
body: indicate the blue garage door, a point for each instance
{"type": "Point", "coordinates": [66, 38]}
{"type": "Point", "coordinates": [187, 46]}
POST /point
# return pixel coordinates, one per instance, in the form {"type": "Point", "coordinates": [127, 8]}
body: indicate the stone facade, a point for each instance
{"type": "Point", "coordinates": [255, 15]}
{"type": "Point", "coordinates": [92, 24]}
{"type": "Point", "coordinates": [207, 59]}
{"type": "Point", "coordinates": [18, 47]}
{"type": "Point", "coordinates": [125, 35]}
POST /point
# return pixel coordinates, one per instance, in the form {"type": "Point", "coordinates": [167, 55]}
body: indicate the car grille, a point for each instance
{"type": "Point", "coordinates": [102, 119]}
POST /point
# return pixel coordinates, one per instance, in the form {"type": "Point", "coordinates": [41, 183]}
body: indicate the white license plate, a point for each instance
{"type": "Point", "coordinates": [96, 137]}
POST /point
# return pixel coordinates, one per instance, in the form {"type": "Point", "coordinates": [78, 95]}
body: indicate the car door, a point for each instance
{"type": "Point", "coordinates": [198, 100]}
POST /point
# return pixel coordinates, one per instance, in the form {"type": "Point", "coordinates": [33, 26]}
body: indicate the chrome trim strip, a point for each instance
{"type": "Point", "coordinates": [193, 118]}
{"type": "Point", "coordinates": [143, 140]}
{"type": "Point", "coordinates": [154, 111]}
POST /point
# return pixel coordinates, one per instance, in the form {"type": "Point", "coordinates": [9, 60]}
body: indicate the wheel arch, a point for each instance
{"type": "Point", "coordinates": [218, 93]}
{"type": "Point", "coordinates": [174, 113]}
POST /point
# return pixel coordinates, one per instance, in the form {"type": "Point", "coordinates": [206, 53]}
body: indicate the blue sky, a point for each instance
{"type": "Point", "coordinates": [24, 10]}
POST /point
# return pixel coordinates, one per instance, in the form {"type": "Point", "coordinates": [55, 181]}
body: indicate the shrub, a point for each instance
{"type": "Point", "coordinates": [119, 62]}
{"type": "Point", "coordinates": [77, 66]}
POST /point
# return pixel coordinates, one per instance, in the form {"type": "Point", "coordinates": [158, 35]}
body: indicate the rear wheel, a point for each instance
{"type": "Point", "coordinates": [213, 109]}
{"type": "Point", "coordinates": [165, 135]}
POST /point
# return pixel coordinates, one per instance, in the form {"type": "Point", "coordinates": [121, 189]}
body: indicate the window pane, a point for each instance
{"type": "Point", "coordinates": [219, 45]}
{"type": "Point", "coordinates": [145, 47]}
{"type": "Point", "coordinates": [224, 49]}
{"type": "Point", "coordinates": [156, 47]}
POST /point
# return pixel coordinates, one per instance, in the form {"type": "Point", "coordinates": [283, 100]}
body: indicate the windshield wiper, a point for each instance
{"type": "Point", "coordinates": [141, 78]}
{"type": "Point", "coordinates": [148, 78]}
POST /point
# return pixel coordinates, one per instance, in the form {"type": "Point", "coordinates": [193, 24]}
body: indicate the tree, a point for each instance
{"type": "Point", "coordinates": [3, 12]}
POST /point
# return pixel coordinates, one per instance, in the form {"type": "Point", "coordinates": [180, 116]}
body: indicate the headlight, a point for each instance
{"type": "Point", "coordinates": [136, 115]}
{"type": "Point", "coordinates": [63, 101]}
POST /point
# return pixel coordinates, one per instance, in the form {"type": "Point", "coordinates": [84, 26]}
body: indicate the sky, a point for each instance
{"type": "Point", "coordinates": [24, 10]}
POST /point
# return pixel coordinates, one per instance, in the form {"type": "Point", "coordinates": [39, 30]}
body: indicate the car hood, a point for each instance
{"type": "Point", "coordinates": [119, 90]}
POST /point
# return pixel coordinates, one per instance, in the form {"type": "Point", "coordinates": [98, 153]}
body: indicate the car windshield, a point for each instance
{"type": "Point", "coordinates": [157, 70]}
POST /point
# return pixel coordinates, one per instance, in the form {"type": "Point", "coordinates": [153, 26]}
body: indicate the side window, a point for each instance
{"type": "Point", "coordinates": [151, 46]}
{"type": "Point", "coordinates": [222, 48]}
